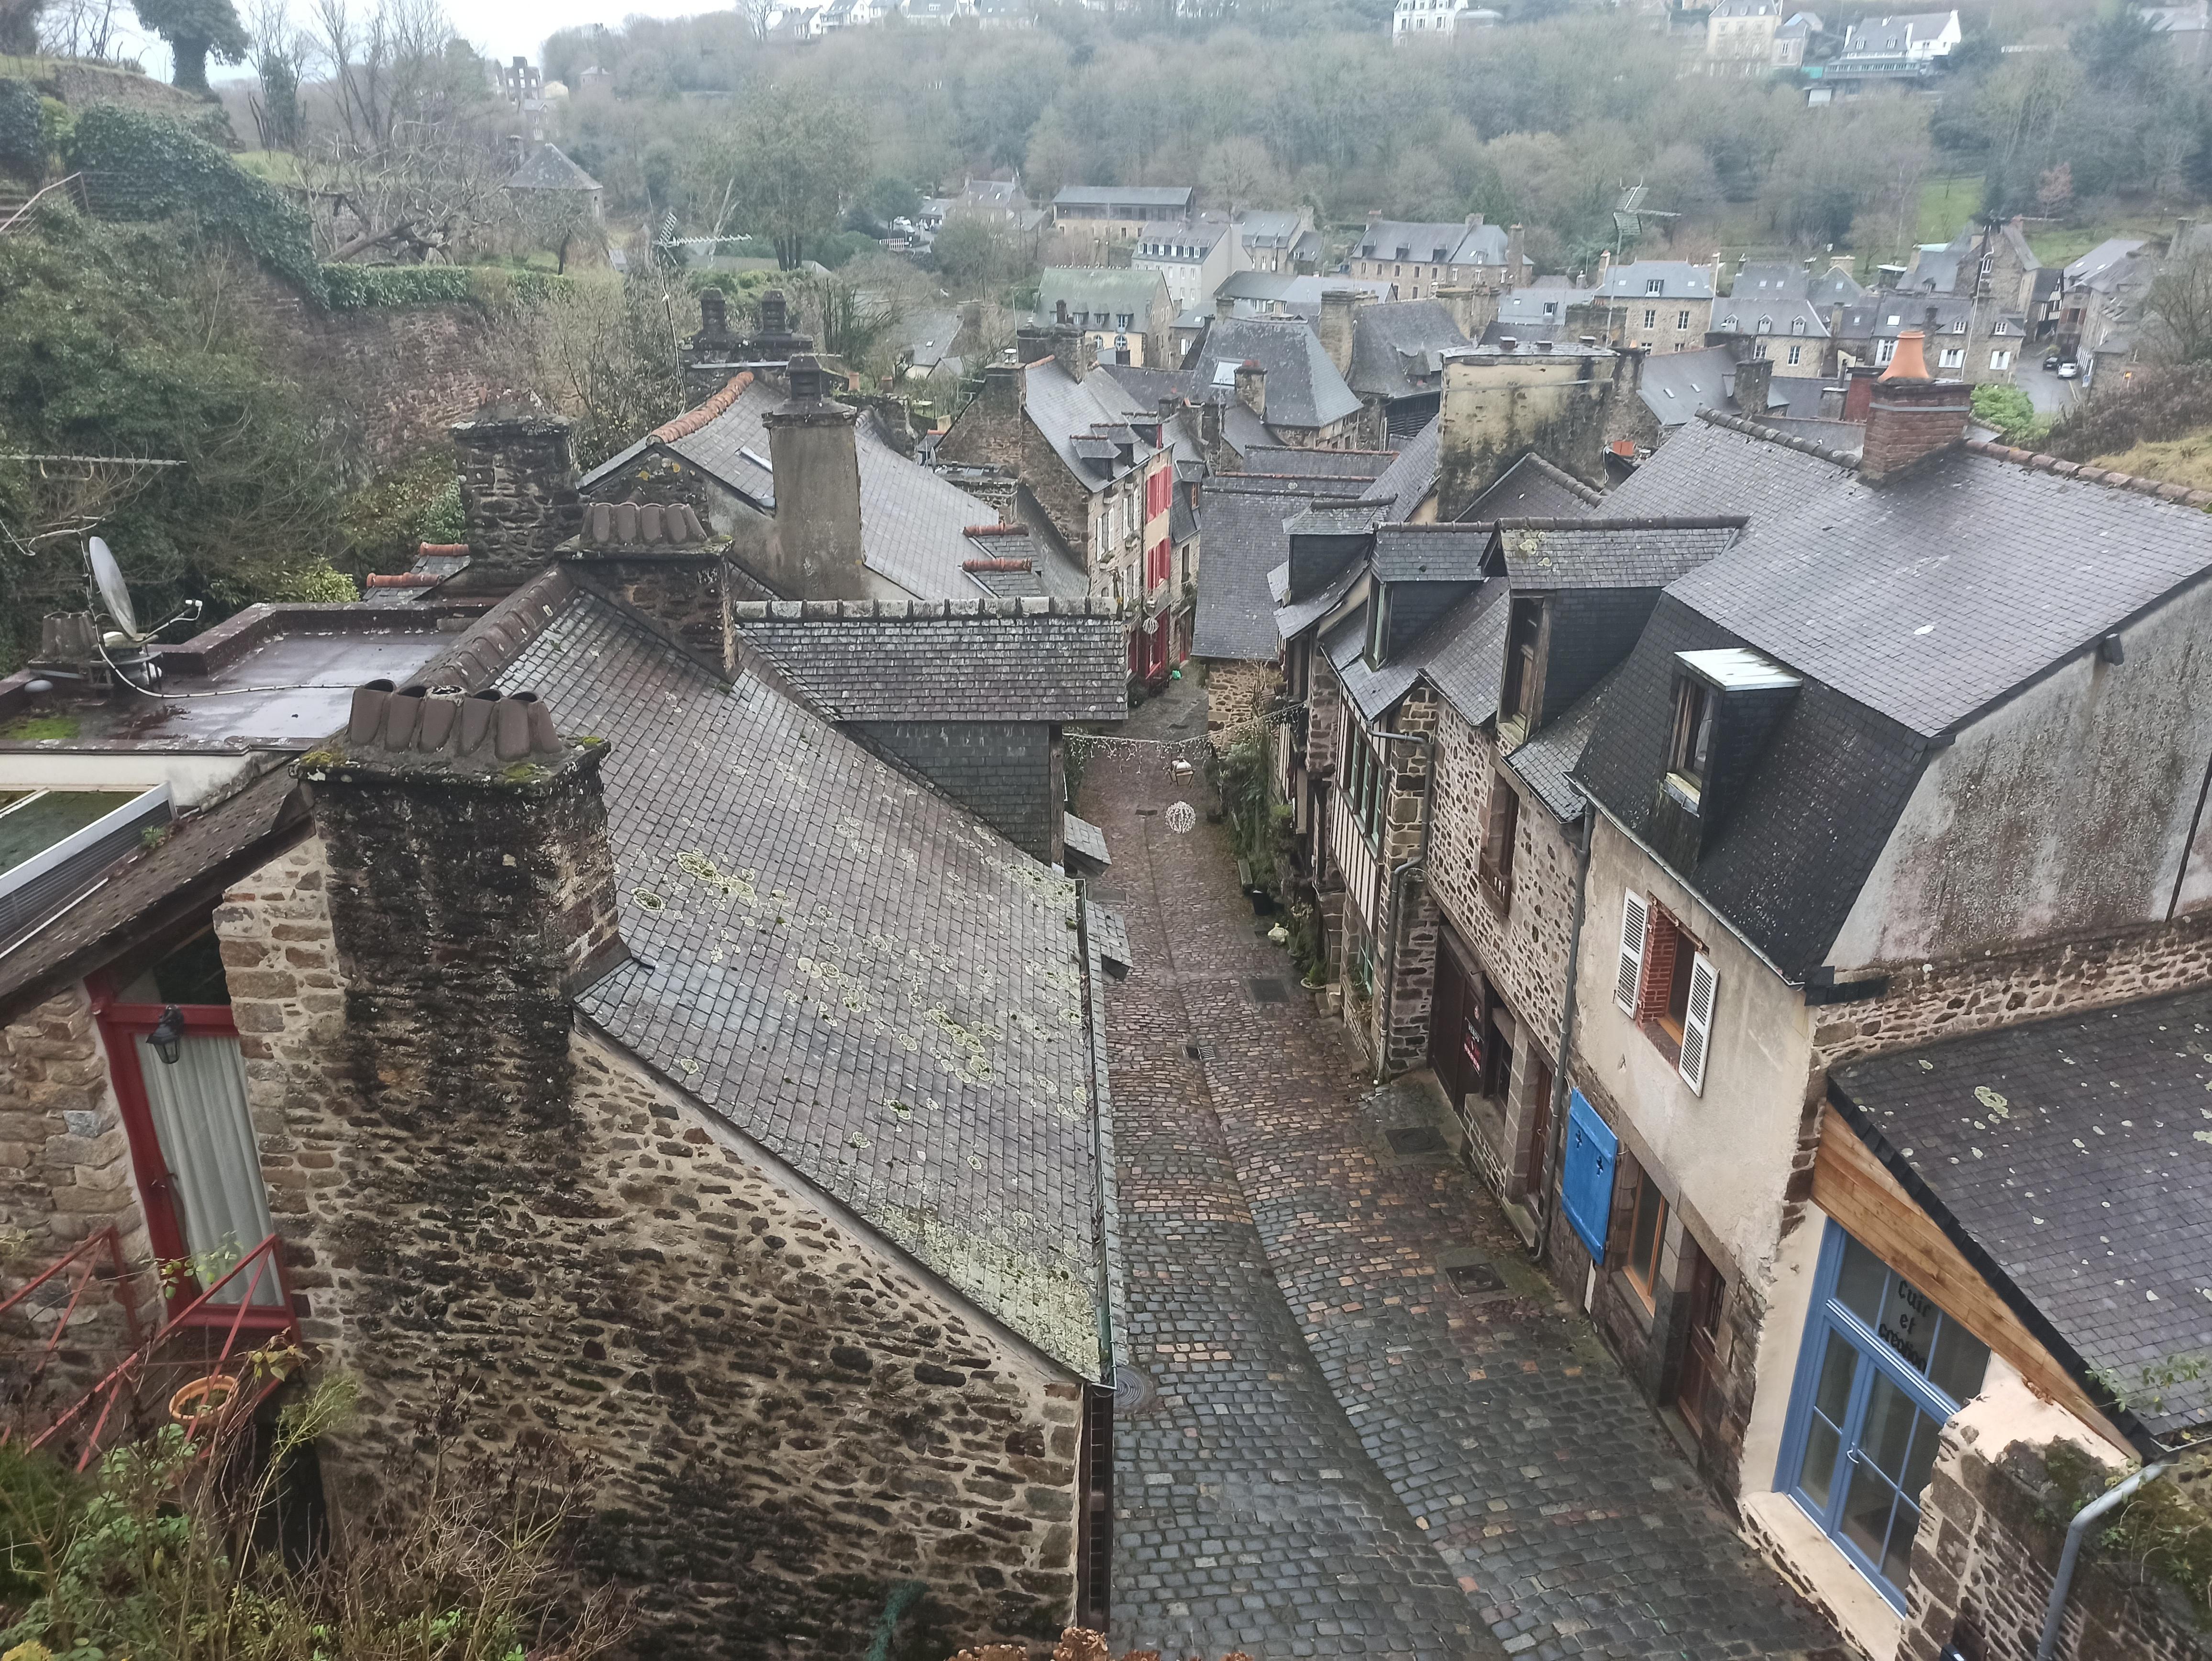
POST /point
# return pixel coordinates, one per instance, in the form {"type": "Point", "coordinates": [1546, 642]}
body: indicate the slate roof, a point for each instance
{"type": "Point", "coordinates": [1610, 553]}
{"type": "Point", "coordinates": [1521, 310]}
{"type": "Point", "coordinates": [548, 168]}
{"type": "Point", "coordinates": [1280, 459]}
{"type": "Point", "coordinates": [1098, 290]}
{"type": "Point", "coordinates": [1835, 286]}
{"type": "Point", "coordinates": [1056, 666]}
{"type": "Point", "coordinates": [1889, 313]}
{"type": "Point", "coordinates": [1532, 487]}
{"type": "Point", "coordinates": [1152, 198]}
{"type": "Point", "coordinates": [1774, 295]}
{"type": "Point", "coordinates": [1065, 410]}
{"type": "Point", "coordinates": [1398, 348]}
{"type": "Point", "coordinates": [1429, 553]}
{"type": "Point", "coordinates": [2098, 269]}
{"type": "Point", "coordinates": [912, 521]}
{"type": "Point", "coordinates": [1545, 761]}
{"type": "Point", "coordinates": [1243, 535]}
{"type": "Point", "coordinates": [1709, 468]}
{"type": "Point", "coordinates": [1675, 386]}
{"type": "Point", "coordinates": [1406, 482]}
{"type": "Point", "coordinates": [1682, 280]}
{"type": "Point", "coordinates": [1269, 227]}
{"type": "Point", "coordinates": [2020, 1140]}
{"type": "Point", "coordinates": [1468, 659]}
{"type": "Point", "coordinates": [847, 967]}
{"type": "Point", "coordinates": [1446, 242]}
{"type": "Point", "coordinates": [1303, 388]}
{"type": "Point", "coordinates": [1933, 595]}
{"type": "Point", "coordinates": [1294, 618]}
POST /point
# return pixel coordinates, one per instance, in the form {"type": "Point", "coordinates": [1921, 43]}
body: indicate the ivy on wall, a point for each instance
{"type": "Point", "coordinates": [23, 149]}
{"type": "Point", "coordinates": [144, 167]}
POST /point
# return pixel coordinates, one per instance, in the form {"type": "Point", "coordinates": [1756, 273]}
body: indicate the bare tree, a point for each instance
{"type": "Point", "coordinates": [759, 15]}
{"type": "Point", "coordinates": [2177, 311]}
{"type": "Point", "coordinates": [280, 54]}
{"type": "Point", "coordinates": [405, 169]}
{"type": "Point", "coordinates": [73, 28]}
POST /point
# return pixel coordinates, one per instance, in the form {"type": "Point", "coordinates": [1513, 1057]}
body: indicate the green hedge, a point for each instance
{"type": "Point", "coordinates": [145, 166]}
{"type": "Point", "coordinates": [22, 147]}
{"type": "Point", "coordinates": [357, 288]}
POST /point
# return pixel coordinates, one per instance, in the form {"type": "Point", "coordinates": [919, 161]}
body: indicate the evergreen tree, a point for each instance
{"type": "Point", "coordinates": [194, 29]}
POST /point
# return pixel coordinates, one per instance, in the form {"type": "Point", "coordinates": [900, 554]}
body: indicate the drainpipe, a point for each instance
{"type": "Point", "coordinates": [2063, 1581]}
{"type": "Point", "coordinates": [1416, 863]}
{"type": "Point", "coordinates": [1555, 1132]}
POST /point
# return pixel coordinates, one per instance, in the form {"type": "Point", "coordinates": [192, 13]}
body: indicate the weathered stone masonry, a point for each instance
{"type": "Point", "coordinates": [792, 1419]}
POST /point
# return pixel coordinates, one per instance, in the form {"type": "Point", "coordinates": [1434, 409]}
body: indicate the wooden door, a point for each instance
{"type": "Point", "coordinates": [1538, 1165]}
{"type": "Point", "coordinates": [1456, 1048]}
{"type": "Point", "coordinates": [1697, 1393]}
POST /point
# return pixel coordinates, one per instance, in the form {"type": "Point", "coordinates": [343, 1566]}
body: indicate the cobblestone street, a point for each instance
{"type": "Point", "coordinates": [1343, 1453]}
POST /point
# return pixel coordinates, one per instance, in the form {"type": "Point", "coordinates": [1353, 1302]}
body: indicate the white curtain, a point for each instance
{"type": "Point", "coordinates": [207, 1137]}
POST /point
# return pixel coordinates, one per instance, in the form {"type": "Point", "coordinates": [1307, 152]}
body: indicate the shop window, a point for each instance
{"type": "Point", "coordinates": [1647, 1234]}
{"type": "Point", "coordinates": [1880, 1370]}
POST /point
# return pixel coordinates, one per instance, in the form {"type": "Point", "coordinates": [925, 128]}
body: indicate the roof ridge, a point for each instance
{"type": "Point", "coordinates": [713, 410]}
{"type": "Point", "coordinates": [920, 611]}
{"type": "Point", "coordinates": [2164, 491]}
{"type": "Point", "coordinates": [1646, 522]}
{"type": "Point", "coordinates": [1560, 476]}
{"type": "Point", "coordinates": [1765, 433]}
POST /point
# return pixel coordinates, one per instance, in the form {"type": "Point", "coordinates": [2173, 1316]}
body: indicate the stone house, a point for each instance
{"type": "Point", "coordinates": [1091, 224]}
{"type": "Point", "coordinates": [1391, 355]}
{"type": "Point", "coordinates": [1193, 255]}
{"type": "Point", "coordinates": [1418, 257]}
{"type": "Point", "coordinates": [1126, 315]}
{"type": "Point", "coordinates": [574, 1024]}
{"type": "Point", "coordinates": [809, 495]}
{"type": "Point", "coordinates": [1770, 305]}
{"type": "Point", "coordinates": [1824, 831]}
{"type": "Point", "coordinates": [1739, 37]}
{"type": "Point", "coordinates": [1655, 305]}
{"type": "Point", "coordinates": [1277, 241]}
{"type": "Point", "coordinates": [1279, 371]}
{"type": "Point", "coordinates": [1097, 471]}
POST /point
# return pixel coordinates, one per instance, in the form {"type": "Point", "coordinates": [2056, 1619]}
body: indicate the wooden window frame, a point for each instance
{"type": "Point", "coordinates": [1644, 1279]}
{"type": "Point", "coordinates": [1501, 828]}
{"type": "Point", "coordinates": [1690, 734]}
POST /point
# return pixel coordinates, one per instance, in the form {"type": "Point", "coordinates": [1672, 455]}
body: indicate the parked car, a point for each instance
{"type": "Point", "coordinates": [2069, 370]}
{"type": "Point", "coordinates": [2052, 361]}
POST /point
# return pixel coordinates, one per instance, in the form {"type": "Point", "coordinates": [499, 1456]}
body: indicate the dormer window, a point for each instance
{"type": "Point", "coordinates": [1517, 696]}
{"type": "Point", "coordinates": [1691, 747]}
{"type": "Point", "coordinates": [1656, 285]}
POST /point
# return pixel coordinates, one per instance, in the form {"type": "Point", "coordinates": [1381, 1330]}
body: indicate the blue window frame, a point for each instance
{"type": "Point", "coordinates": [1880, 1370]}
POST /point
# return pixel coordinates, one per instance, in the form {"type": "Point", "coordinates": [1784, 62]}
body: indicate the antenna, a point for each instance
{"type": "Point", "coordinates": [124, 647]}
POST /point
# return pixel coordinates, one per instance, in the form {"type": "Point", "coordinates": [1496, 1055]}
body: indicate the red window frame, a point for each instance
{"type": "Point", "coordinates": [119, 1022]}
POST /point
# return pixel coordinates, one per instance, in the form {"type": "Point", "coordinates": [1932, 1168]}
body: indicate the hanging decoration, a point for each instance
{"type": "Point", "coordinates": [1182, 816]}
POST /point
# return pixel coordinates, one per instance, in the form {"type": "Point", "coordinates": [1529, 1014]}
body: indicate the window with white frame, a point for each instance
{"type": "Point", "coordinates": [1951, 357]}
{"type": "Point", "coordinates": [2000, 360]}
{"type": "Point", "coordinates": [1796, 355]}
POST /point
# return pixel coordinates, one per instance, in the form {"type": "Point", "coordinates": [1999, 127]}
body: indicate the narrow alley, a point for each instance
{"type": "Point", "coordinates": [1363, 1425]}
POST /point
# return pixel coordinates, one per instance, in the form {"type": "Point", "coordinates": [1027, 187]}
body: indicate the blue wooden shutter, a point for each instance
{"type": "Point", "coordinates": [1586, 1173]}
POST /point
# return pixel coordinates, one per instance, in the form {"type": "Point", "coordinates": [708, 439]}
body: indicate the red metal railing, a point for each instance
{"type": "Point", "coordinates": [217, 1359]}
{"type": "Point", "coordinates": [97, 1258]}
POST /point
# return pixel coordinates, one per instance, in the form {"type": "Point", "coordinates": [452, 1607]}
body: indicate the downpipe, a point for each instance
{"type": "Point", "coordinates": [1555, 1132]}
{"type": "Point", "coordinates": [2076, 1530]}
{"type": "Point", "coordinates": [1384, 998]}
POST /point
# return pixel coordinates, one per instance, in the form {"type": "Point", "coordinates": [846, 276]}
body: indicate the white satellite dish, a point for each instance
{"type": "Point", "coordinates": [108, 577]}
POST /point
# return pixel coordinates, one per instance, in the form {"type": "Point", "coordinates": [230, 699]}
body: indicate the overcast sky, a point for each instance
{"type": "Point", "coordinates": [501, 28]}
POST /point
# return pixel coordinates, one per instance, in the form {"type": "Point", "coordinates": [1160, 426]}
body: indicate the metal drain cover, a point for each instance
{"type": "Point", "coordinates": [1265, 991]}
{"type": "Point", "coordinates": [1414, 1139]}
{"type": "Point", "coordinates": [1474, 1280]}
{"type": "Point", "coordinates": [1133, 1390]}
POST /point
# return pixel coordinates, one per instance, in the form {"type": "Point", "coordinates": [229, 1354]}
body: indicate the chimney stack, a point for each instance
{"type": "Point", "coordinates": [471, 893]}
{"type": "Point", "coordinates": [815, 551]}
{"type": "Point", "coordinates": [775, 316]}
{"type": "Point", "coordinates": [1340, 320]}
{"type": "Point", "coordinates": [1754, 377]}
{"type": "Point", "coordinates": [519, 500]}
{"type": "Point", "coordinates": [1224, 305]}
{"type": "Point", "coordinates": [1252, 387]}
{"type": "Point", "coordinates": [1909, 415]}
{"type": "Point", "coordinates": [657, 560]}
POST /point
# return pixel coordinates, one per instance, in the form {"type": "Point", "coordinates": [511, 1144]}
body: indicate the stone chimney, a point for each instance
{"type": "Point", "coordinates": [1340, 320]}
{"type": "Point", "coordinates": [1754, 377]}
{"type": "Point", "coordinates": [1514, 254]}
{"type": "Point", "coordinates": [658, 561]}
{"type": "Point", "coordinates": [815, 551]}
{"type": "Point", "coordinates": [1252, 387]}
{"type": "Point", "coordinates": [1224, 305]}
{"type": "Point", "coordinates": [1474, 222]}
{"type": "Point", "coordinates": [472, 893]}
{"type": "Point", "coordinates": [1909, 415]}
{"type": "Point", "coordinates": [1219, 457]}
{"type": "Point", "coordinates": [518, 499]}
{"type": "Point", "coordinates": [774, 315]}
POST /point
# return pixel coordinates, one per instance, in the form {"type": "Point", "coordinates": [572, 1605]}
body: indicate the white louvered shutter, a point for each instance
{"type": "Point", "coordinates": [1698, 1023]}
{"type": "Point", "coordinates": [1634, 914]}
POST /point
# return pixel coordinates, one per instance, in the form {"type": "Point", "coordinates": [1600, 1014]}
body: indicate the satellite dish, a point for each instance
{"type": "Point", "coordinates": [107, 577]}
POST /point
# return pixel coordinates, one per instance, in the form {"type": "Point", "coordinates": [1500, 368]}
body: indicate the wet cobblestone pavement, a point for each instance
{"type": "Point", "coordinates": [1339, 1452]}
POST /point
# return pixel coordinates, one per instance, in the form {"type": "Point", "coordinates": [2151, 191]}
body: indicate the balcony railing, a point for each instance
{"type": "Point", "coordinates": [219, 1356]}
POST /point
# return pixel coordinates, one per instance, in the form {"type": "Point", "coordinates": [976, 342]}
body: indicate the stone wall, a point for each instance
{"type": "Point", "coordinates": [518, 479]}
{"type": "Point", "coordinates": [792, 1418]}
{"type": "Point", "coordinates": [65, 1172]}
{"type": "Point", "coordinates": [1406, 924]}
{"type": "Point", "coordinates": [1990, 1535]}
{"type": "Point", "coordinates": [403, 375]}
{"type": "Point", "coordinates": [1523, 949]}
{"type": "Point", "coordinates": [1237, 690]}
{"type": "Point", "coordinates": [686, 595]}
{"type": "Point", "coordinates": [1919, 1004]}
